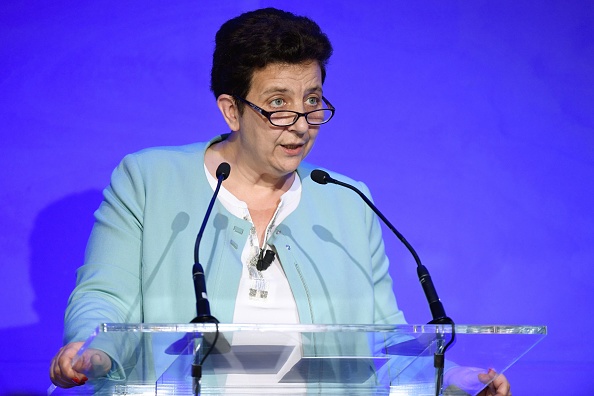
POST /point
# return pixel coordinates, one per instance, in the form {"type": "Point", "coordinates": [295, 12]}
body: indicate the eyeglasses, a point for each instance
{"type": "Point", "coordinates": [284, 118]}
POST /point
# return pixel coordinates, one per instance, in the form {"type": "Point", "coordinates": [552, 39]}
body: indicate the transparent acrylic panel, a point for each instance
{"type": "Point", "coordinates": [299, 359]}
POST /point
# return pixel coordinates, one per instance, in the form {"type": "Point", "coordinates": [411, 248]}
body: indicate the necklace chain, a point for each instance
{"type": "Point", "coordinates": [259, 287]}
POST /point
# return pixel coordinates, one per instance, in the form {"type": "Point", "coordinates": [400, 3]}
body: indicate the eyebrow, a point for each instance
{"type": "Point", "coordinates": [282, 90]}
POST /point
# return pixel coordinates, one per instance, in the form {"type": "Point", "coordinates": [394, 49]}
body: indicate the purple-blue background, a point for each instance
{"type": "Point", "coordinates": [471, 121]}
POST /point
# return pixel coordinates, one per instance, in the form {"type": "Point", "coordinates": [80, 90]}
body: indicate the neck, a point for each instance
{"type": "Point", "coordinates": [245, 180]}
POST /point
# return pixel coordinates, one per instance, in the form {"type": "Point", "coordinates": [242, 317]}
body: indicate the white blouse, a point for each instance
{"type": "Point", "coordinates": [263, 296]}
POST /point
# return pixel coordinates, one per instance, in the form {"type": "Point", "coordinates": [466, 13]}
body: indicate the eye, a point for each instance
{"type": "Point", "coordinates": [312, 101]}
{"type": "Point", "coordinates": [277, 102]}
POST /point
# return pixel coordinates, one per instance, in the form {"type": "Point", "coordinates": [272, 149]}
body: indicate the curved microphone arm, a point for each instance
{"type": "Point", "coordinates": [435, 305]}
{"type": "Point", "coordinates": [202, 305]}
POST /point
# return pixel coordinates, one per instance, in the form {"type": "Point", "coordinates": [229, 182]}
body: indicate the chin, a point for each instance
{"type": "Point", "coordinates": [287, 169]}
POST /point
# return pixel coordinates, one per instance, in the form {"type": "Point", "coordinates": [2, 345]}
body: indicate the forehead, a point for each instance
{"type": "Point", "coordinates": [287, 78]}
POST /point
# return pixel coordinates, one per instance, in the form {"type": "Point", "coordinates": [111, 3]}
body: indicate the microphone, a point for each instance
{"type": "Point", "coordinates": [202, 303]}
{"type": "Point", "coordinates": [265, 259]}
{"type": "Point", "coordinates": [435, 305]}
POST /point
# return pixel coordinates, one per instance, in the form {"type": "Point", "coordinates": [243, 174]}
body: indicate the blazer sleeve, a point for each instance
{"type": "Point", "coordinates": [109, 283]}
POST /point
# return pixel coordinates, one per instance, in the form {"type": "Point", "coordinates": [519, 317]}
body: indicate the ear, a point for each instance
{"type": "Point", "coordinates": [226, 105]}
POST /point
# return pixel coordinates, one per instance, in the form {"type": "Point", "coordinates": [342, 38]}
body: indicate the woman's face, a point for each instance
{"type": "Point", "coordinates": [277, 151]}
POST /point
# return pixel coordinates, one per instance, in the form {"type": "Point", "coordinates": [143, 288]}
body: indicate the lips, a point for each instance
{"type": "Point", "coordinates": [291, 146]}
{"type": "Point", "coordinates": [294, 145]}
{"type": "Point", "coordinates": [293, 149]}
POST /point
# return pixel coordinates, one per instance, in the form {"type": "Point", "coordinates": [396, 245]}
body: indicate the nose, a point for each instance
{"type": "Point", "coordinates": [301, 126]}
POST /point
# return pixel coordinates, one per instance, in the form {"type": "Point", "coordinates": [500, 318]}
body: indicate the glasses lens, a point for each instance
{"type": "Point", "coordinates": [318, 117]}
{"type": "Point", "coordinates": [283, 118]}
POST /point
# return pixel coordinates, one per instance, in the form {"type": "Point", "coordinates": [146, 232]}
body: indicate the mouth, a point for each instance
{"type": "Point", "coordinates": [292, 146]}
{"type": "Point", "coordinates": [293, 149]}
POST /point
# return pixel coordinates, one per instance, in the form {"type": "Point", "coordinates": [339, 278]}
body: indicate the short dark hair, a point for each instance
{"type": "Point", "coordinates": [259, 38]}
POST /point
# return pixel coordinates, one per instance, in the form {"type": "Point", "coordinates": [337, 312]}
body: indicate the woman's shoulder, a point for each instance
{"type": "Point", "coordinates": [171, 154]}
{"type": "Point", "coordinates": [163, 165]}
{"type": "Point", "coordinates": [168, 153]}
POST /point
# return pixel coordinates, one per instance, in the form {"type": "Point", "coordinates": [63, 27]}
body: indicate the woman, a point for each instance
{"type": "Point", "coordinates": [268, 71]}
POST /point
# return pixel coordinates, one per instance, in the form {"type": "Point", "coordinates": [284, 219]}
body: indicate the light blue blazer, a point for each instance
{"type": "Point", "coordinates": [139, 257]}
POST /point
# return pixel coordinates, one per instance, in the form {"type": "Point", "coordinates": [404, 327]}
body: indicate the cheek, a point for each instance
{"type": "Point", "coordinates": [312, 138]}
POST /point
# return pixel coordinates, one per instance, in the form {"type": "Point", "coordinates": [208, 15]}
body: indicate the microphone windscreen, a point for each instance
{"type": "Point", "coordinates": [319, 176]}
{"type": "Point", "coordinates": [223, 170]}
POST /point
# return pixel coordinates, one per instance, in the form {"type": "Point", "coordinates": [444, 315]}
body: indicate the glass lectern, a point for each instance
{"type": "Point", "coordinates": [255, 359]}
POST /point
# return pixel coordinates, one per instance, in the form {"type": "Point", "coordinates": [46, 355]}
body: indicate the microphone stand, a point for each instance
{"type": "Point", "coordinates": [435, 305]}
{"type": "Point", "coordinates": [203, 314]}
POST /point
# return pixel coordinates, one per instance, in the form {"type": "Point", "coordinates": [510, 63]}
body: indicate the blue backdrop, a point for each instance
{"type": "Point", "coordinates": [471, 122]}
